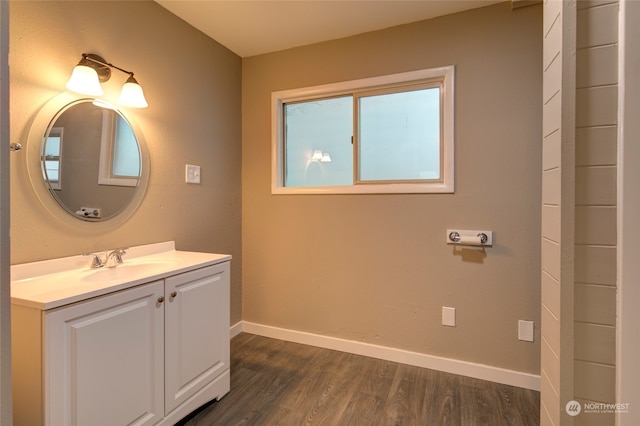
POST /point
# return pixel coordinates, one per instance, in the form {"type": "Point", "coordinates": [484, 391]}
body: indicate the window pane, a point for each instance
{"type": "Point", "coordinates": [318, 142]}
{"type": "Point", "coordinates": [399, 136]}
{"type": "Point", "coordinates": [52, 146]}
{"type": "Point", "coordinates": [52, 168]}
{"type": "Point", "coordinates": [52, 158]}
{"type": "Point", "coordinates": [126, 157]}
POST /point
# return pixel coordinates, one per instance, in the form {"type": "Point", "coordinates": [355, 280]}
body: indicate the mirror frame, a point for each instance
{"type": "Point", "coordinates": [43, 120]}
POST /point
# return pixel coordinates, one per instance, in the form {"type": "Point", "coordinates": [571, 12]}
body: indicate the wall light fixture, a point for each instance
{"type": "Point", "coordinates": [93, 70]}
{"type": "Point", "coordinates": [323, 157]}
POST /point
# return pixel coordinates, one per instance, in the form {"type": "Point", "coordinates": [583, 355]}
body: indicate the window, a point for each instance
{"type": "Point", "coordinates": [53, 158]}
{"type": "Point", "coordinates": [378, 135]}
{"type": "Point", "coordinates": [119, 152]}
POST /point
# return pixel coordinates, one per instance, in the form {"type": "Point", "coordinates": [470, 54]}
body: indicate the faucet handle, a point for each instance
{"type": "Point", "coordinates": [96, 261]}
{"type": "Point", "coordinates": [114, 257]}
{"type": "Point", "coordinates": [119, 252]}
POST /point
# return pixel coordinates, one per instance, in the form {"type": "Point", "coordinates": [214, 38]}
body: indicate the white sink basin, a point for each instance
{"type": "Point", "coordinates": [128, 270]}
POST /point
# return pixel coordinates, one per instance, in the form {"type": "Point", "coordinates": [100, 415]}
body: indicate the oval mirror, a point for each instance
{"type": "Point", "coordinates": [87, 161]}
{"type": "Point", "coordinates": [91, 160]}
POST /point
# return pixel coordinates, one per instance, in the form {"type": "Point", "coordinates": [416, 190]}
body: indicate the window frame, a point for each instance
{"type": "Point", "coordinates": [54, 184]}
{"type": "Point", "coordinates": [107, 148]}
{"type": "Point", "coordinates": [445, 184]}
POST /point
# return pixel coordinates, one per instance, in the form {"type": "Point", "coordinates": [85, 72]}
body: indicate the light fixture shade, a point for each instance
{"type": "Point", "coordinates": [84, 79]}
{"type": "Point", "coordinates": [132, 95]}
{"type": "Point", "coordinates": [326, 158]}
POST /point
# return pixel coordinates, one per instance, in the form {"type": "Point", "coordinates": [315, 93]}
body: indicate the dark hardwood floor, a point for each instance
{"type": "Point", "coordinates": [274, 382]}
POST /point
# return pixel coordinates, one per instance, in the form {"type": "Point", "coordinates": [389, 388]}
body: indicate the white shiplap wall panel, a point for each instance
{"type": "Point", "coordinates": [596, 210]}
{"type": "Point", "coordinates": [557, 210]}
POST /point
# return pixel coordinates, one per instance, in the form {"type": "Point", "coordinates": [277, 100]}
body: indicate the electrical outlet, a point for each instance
{"type": "Point", "coordinates": [192, 174]}
{"type": "Point", "coordinates": [448, 316]}
{"type": "Point", "coordinates": [525, 330]}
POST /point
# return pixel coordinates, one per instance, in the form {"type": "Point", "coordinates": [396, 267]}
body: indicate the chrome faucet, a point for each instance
{"type": "Point", "coordinates": [112, 258]}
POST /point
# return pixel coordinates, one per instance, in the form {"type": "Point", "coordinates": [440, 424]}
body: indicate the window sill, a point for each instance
{"type": "Point", "coordinates": [400, 188]}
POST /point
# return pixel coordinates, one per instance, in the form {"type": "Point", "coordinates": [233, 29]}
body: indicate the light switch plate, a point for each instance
{"type": "Point", "coordinates": [448, 316]}
{"type": "Point", "coordinates": [192, 174]}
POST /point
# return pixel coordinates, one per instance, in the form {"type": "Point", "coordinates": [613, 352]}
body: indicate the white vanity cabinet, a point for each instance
{"type": "Point", "coordinates": [196, 334]}
{"type": "Point", "coordinates": [146, 355]}
{"type": "Point", "coordinates": [104, 360]}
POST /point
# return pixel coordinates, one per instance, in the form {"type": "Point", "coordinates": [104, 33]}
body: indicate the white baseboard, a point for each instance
{"type": "Point", "coordinates": [235, 329]}
{"type": "Point", "coordinates": [448, 365]}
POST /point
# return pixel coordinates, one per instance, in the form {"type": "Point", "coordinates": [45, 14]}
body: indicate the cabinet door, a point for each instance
{"type": "Point", "coordinates": [196, 331]}
{"type": "Point", "coordinates": [104, 360]}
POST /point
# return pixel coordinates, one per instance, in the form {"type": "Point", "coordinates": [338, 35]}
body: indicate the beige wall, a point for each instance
{"type": "Point", "coordinates": [375, 268]}
{"type": "Point", "coordinates": [193, 87]}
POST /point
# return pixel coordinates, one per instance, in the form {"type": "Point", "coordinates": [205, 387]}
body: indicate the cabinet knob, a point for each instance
{"type": "Point", "coordinates": [174, 294]}
{"type": "Point", "coordinates": [160, 299]}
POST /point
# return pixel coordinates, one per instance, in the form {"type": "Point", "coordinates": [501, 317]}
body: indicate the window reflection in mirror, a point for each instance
{"type": "Point", "coordinates": [119, 158]}
{"type": "Point", "coordinates": [52, 158]}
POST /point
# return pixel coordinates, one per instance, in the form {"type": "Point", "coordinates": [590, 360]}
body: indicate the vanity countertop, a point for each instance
{"type": "Point", "coordinates": [54, 283]}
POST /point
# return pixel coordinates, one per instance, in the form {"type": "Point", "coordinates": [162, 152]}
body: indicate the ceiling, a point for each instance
{"type": "Point", "coordinates": [254, 27]}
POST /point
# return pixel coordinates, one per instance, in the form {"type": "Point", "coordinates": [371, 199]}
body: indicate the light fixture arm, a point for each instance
{"type": "Point", "coordinates": [100, 61]}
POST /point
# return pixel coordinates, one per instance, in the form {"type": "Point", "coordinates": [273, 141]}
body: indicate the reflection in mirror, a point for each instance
{"type": "Point", "coordinates": [119, 152]}
{"type": "Point", "coordinates": [52, 153]}
{"type": "Point", "coordinates": [91, 160]}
